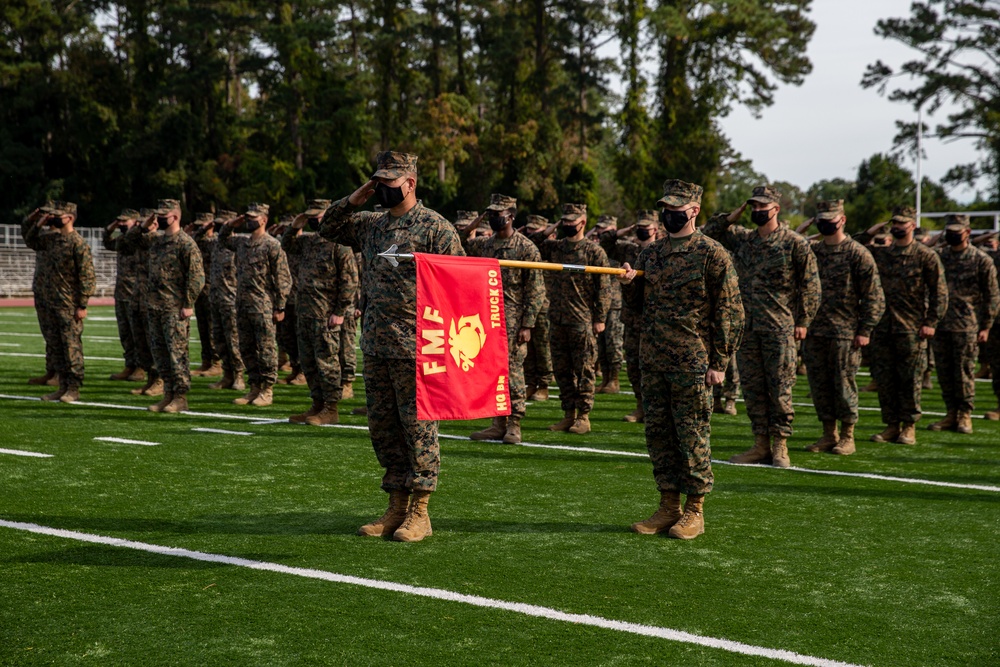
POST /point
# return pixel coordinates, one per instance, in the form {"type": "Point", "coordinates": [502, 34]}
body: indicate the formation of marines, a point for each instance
{"type": "Point", "coordinates": [689, 308]}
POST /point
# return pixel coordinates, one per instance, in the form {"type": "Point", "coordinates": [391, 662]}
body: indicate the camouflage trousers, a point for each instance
{"type": "Point", "coordinates": [515, 382]}
{"type": "Point", "coordinates": [833, 369]}
{"type": "Point", "coordinates": [730, 389]}
{"type": "Point", "coordinates": [898, 362]}
{"type": "Point", "coordinates": [574, 351]}
{"type": "Point", "coordinates": [319, 357]}
{"type": "Point", "coordinates": [610, 342]}
{"type": "Point", "coordinates": [125, 334]}
{"type": "Point", "coordinates": [63, 344]}
{"type": "Point", "coordinates": [767, 361]}
{"type": "Point", "coordinates": [204, 317]}
{"type": "Point", "coordinates": [678, 408]}
{"type": "Point", "coordinates": [538, 359]}
{"type": "Point", "coordinates": [288, 337]}
{"type": "Point", "coordinates": [168, 340]}
{"type": "Point", "coordinates": [407, 448]}
{"type": "Point", "coordinates": [632, 364]}
{"type": "Point", "coordinates": [225, 337]}
{"type": "Point", "coordinates": [138, 317]}
{"type": "Point", "coordinates": [993, 357]}
{"type": "Point", "coordinates": [258, 346]}
{"type": "Point", "coordinates": [955, 353]}
{"type": "Point", "coordinates": [348, 352]}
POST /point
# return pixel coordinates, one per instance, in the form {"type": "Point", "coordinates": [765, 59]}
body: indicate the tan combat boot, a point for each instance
{"type": "Point", "coordinates": [164, 402]}
{"type": "Point", "coordinates": [283, 364]}
{"type": "Point", "coordinates": [179, 403]}
{"type": "Point", "coordinates": [495, 431]}
{"type": "Point", "coordinates": [327, 415]}
{"type": "Point", "coordinates": [779, 452]}
{"type": "Point", "coordinates": [155, 389]}
{"type": "Point", "coordinates": [636, 416]}
{"type": "Point", "coordinates": [665, 516]}
{"type": "Point", "coordinates": [828, 441]}
{"type": "Point", "coordinates": [529, 392]}
{"type": "Point", "coordinates": [250, 396]}
{"type": "Point", "coordinates": [56, 395]}
{"type": "Point", "coordinates": [317, 406]}
{"type": "Point", "coordinates": [580, 425]}
{"type": "Point", "coordinates": [296, 378]}
{"type": "Point", "coordinates": [513, 434]}
{"type": "Point", "coordinates": [213, 371]}
{"type": "Point", "coordinates": [611, 384]}
{"type": "Point", "coordinates": [225, 382]}
{"type": "Point", "coordinates": [205, 365]}
{"type": "Point", "coordinates": [124, 375]}
{"type": "Point", "coordinates": [238, 383]}
{"type": "Point", "coordinates": [983, 373]}
{"type": "Point", "coordinates": [949, 422]}
{"type": "Point", "coordinates": [417, 524]}
{"type": "Point", "coordinates": [42, 379]}
{"type": "Point", "coordinates": [54, 381]}
{"type": "Point", "coordinates": [347, 391]}
{"type": "Point", "coordinates": [541, 394]}
{"type": "Point", "coordinates": [730, 408]}
{"type": "Point", "coordinates": [563, 425]}
{"type": "Point", "coordinates": [71, 395]}
{"type": "Point", "coordinates": [993, 415]}
{"type": "Point", "coordinates": [717, 407]}
{"type": "Point", "coordinates": [692, 522]}
{"type": "Point", "coordinates": [871, 386]}
{"type": "Point", "coordinates": [264, 397]}
{"type": "Point", "coordinates": [393, 518]}
{"type": "Point", "coordinates": [908, 434]}
{"type": "Point", "coordinates": [363, 410]}
{"type": "Point", "coordinates": [845, 446]}
{"type": "Point", "coordinates": [927, 382]}
{"type": "Point", "coordinates": [138, 375]}
{"type": "Point", "coordinates": [964, 424]}
{"type": "Point", "coordinates": [141, 391]}
{"type": "Point", "coordinates": [890, 434]}
{"type": "Point", "coordinates": [759, 453]}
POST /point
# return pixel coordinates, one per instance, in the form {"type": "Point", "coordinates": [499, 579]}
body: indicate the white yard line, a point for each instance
{"type": "Point", "coordinates": [522, 608]}
{"type": "Point", "coordinates": [100, 339]}
{"type": "Point", "coordinates": [588, 450]}
{"type": "Point", "coordinates": [21, 452]}
{"type": "Point", "coordinates": [10, 345]}
{"type": "Point", "coordinates": [221, 431]}
{"type": "Point", "coordinates": [127, 441]}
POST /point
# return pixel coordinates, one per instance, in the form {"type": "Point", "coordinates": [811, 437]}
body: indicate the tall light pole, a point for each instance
{"type": "Point", "coordinates": [920, 133]}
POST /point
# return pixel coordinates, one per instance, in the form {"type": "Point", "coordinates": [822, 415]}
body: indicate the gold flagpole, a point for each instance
{"type": "Point", "coordinates": [394, 258]}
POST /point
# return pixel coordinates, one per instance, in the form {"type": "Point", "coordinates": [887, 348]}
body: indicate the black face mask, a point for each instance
{"type": "Point", "coordinates": [252, 224]}
{"type": "Point", "coordinates": [55, 223]}
{"type": "Point", "coordinates": [826, 227]}
{"type": "Point", "coordinates": [218, 225]}
{"type": "Point", "coordinates": [313, 223]}
{"type": "Point", "coordinates": [898, 232]}
{"type": "Point", "coordinates": [674, 221]}
{"type": "Point", "coordinates": [566, 231]}
{"type": "Point", "coordinates": [388, 197]}
{"type": "Point", "coordinates": [163, 221]}
{"type": "Point", "coordinates": [953, 238]}
{"type": "Point", "coordinates": [643, 233]}
{"type": "Point", "coordinates": [760, 218]}
{"type": "Point", "coordinates": [497, 219]}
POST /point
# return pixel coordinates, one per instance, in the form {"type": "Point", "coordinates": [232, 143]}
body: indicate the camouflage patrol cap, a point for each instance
{"type": "Point", "coordinates": [679, 193]}
{"type": "Point", "coordinates": [537, 222]}
{"type": "Point", "coordinates": [573, 211]}
{"type": "Point", "coordinates": [146, 212]}
{"type": "Point", "coordinates": [830, 209]}
{"type": "Point", "coordinates": [56, 207]}
{"type": "Point", "coordinates": [392, 165]}
{"type": "Point", "coordinates": [464, 218]}
{"type": "Point", "coordinates": [646, 217]}
{"type": "Point", "coordinates": [957, 222]}
{"type": "Point", "coordinates": [919, 233]}
{"type": "Point", "coordinates": [258, 210]}
{"type": "Point", "coordinates": [607, 221]}
{"type": "Point", "coordinates": [501, 202]}
{"type": "Point", "coordinates": [904, 214]}
{"type": "Point", "coordinates": [204, 219]}
{"type": "Point", "coordinates": [165, 206]}
{"type": "Point", "coordinates": [287, 219]}
{"type": "Point", "coordinates": [225, 216]}
{"type": "Point", "coordinates": [316, 207]}
{"type": "Point", "coordinates": [128, 214]}
{"type": "Point", "coordinates": [765, 194]}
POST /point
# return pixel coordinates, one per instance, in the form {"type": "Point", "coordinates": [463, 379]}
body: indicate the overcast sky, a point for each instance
{"type": "Point", "coordinates": [828, 125]}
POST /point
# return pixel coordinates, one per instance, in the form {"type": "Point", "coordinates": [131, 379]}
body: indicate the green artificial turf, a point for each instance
{"type": "Point", "coordinates": [859, 570]}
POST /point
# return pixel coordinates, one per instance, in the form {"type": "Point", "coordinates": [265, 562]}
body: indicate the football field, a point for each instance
{"type": "Point", "coordinates": [226, 536]}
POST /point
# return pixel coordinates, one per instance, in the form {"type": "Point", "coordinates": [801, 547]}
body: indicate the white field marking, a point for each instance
{"type": "Point", "coordinates": [86, 357]}
{"type": "Point", "coordinates": [865, 409]}
{"type": "Point", "coordinates": [9, 314]}
{"type": "Point", "coordinates": [589, 450]}
{"type": "Point", "coordinates": [222, 431]}
{"type": "Point", "coordinates": [21, 452]}
{"type": "Point", "coordinates": [102, 318]}
{"type": "Point", "coordinates": [104, 339]}
{"type": "Point", "coordinates": [268, 422]}
{"type": "Point", "coordinates": [10, 345]}
{"type": "Point", "coordinates": [126, 441]}
{"type": "Point", "coordinates": [525, 609]}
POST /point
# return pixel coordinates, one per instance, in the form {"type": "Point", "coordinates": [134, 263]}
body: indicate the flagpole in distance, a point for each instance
{"type": "Point", "coordinates": [395, 257]}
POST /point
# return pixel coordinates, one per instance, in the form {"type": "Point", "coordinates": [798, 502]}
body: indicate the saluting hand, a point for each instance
{"type": "Point", "coordinates": [735, 215]}
{"type": "Point", "coordinates": [362, 194]}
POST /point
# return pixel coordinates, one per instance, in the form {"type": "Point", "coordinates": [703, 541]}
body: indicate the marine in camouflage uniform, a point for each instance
{"type": "Point", "coordinates": [262, 287]}
{"type": "Point", "coordinates": [578, 309]}
{"type": "Point", "coordinates": [327, 280]}
{"type": "Point", "coordinates": [973, 301]}
{"type": "Point", "coordinates": [288, 328]}
{"type": "Point", "coordinates": [523, 293]}
{"type": "Point", "coordinates": [781, 293]}
{"type": "Point", "coordinates": [125, 277]}
{"type": "Point", "coordinates": [204, 316]}
{"type": "Point", "coordinates": [610, 355]}
{"type": "Point", "coordinates": [992, 349]}
{"type": "Point", "coordinates": [852, 304]}
{"type": "Point", "coordinates": [222, 297]}
{"type": "Point", "coordinates": [692, 322]}
{"type": "Point", "coordinates": [622, 249]}
{"type": "Point", "coordinates": [63, 283]}
{"type": "Point", "coordinates": [176, 278]}
{"type": "Point", "coordinates": [407, 448]}
{"type": "Point", "coordinates": [538, 359]}
{"type": "Point", "coordinates": [349, 338]}
{"type": "Point", "coordinates": [138, 310]}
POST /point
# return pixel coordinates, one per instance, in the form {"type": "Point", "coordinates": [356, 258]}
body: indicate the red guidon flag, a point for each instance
{"type": "Point", "coordinates": [462, 370]}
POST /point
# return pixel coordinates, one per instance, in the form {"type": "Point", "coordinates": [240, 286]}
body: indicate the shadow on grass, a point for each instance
{"type": "Point", "coordinates": [908, 493]}
{"type": "Point", "coordinates": [508, 451]}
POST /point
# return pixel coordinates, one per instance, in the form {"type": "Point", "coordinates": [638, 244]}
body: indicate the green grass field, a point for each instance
{"type": "Point", "coordinates": [838, 568]}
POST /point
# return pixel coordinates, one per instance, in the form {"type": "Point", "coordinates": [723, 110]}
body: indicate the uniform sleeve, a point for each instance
{"type": "Point", "coordinates": [611, 245]}
{"type": "Point", "coordinates": [937, 289]}
{"type": "Point", "coordinates": [807, 280]}
{"type": "Point", "coordinates": [633, 293]}
{"type": "Point", "coordinates": [87, 283]}
{"type": "Point", "coordinates": [227, 238]}
{"type": "Point", "coordinates": [990, 302]}
{"type": "Point", "coordinates": [290, 241]}
{"type": "Point", "coordinates": [602, 286]}
{"type": "Point", "coordinates": [534, 291]}
{"type": "Point", "coordinates": [472, 247]}
{"type": "Point", "coordinates": [341, 224]}
{"type": "Point", "coordinates": [727, 233]}
{"type": "Point", "coordinates": [871, 298]}
{"type": "Point", "coordinates": [134, 240]}
{"type": "Point", "coordinates": [282, 277]}
{"type": "Point", "coordinates": [32, 235]}
{"type": "Point", "coordinates": [546, 248]}
{"type": "Point", "coordinates": [446, 241]}
{"type": "Point", "coordinates": [347, 281]}
{"type": "Point", "coordinates": [108, 240]}
{"type": "Point", "coordinates": [195, 274]}
{"type": "Point", "coordinates": [727, 316]}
